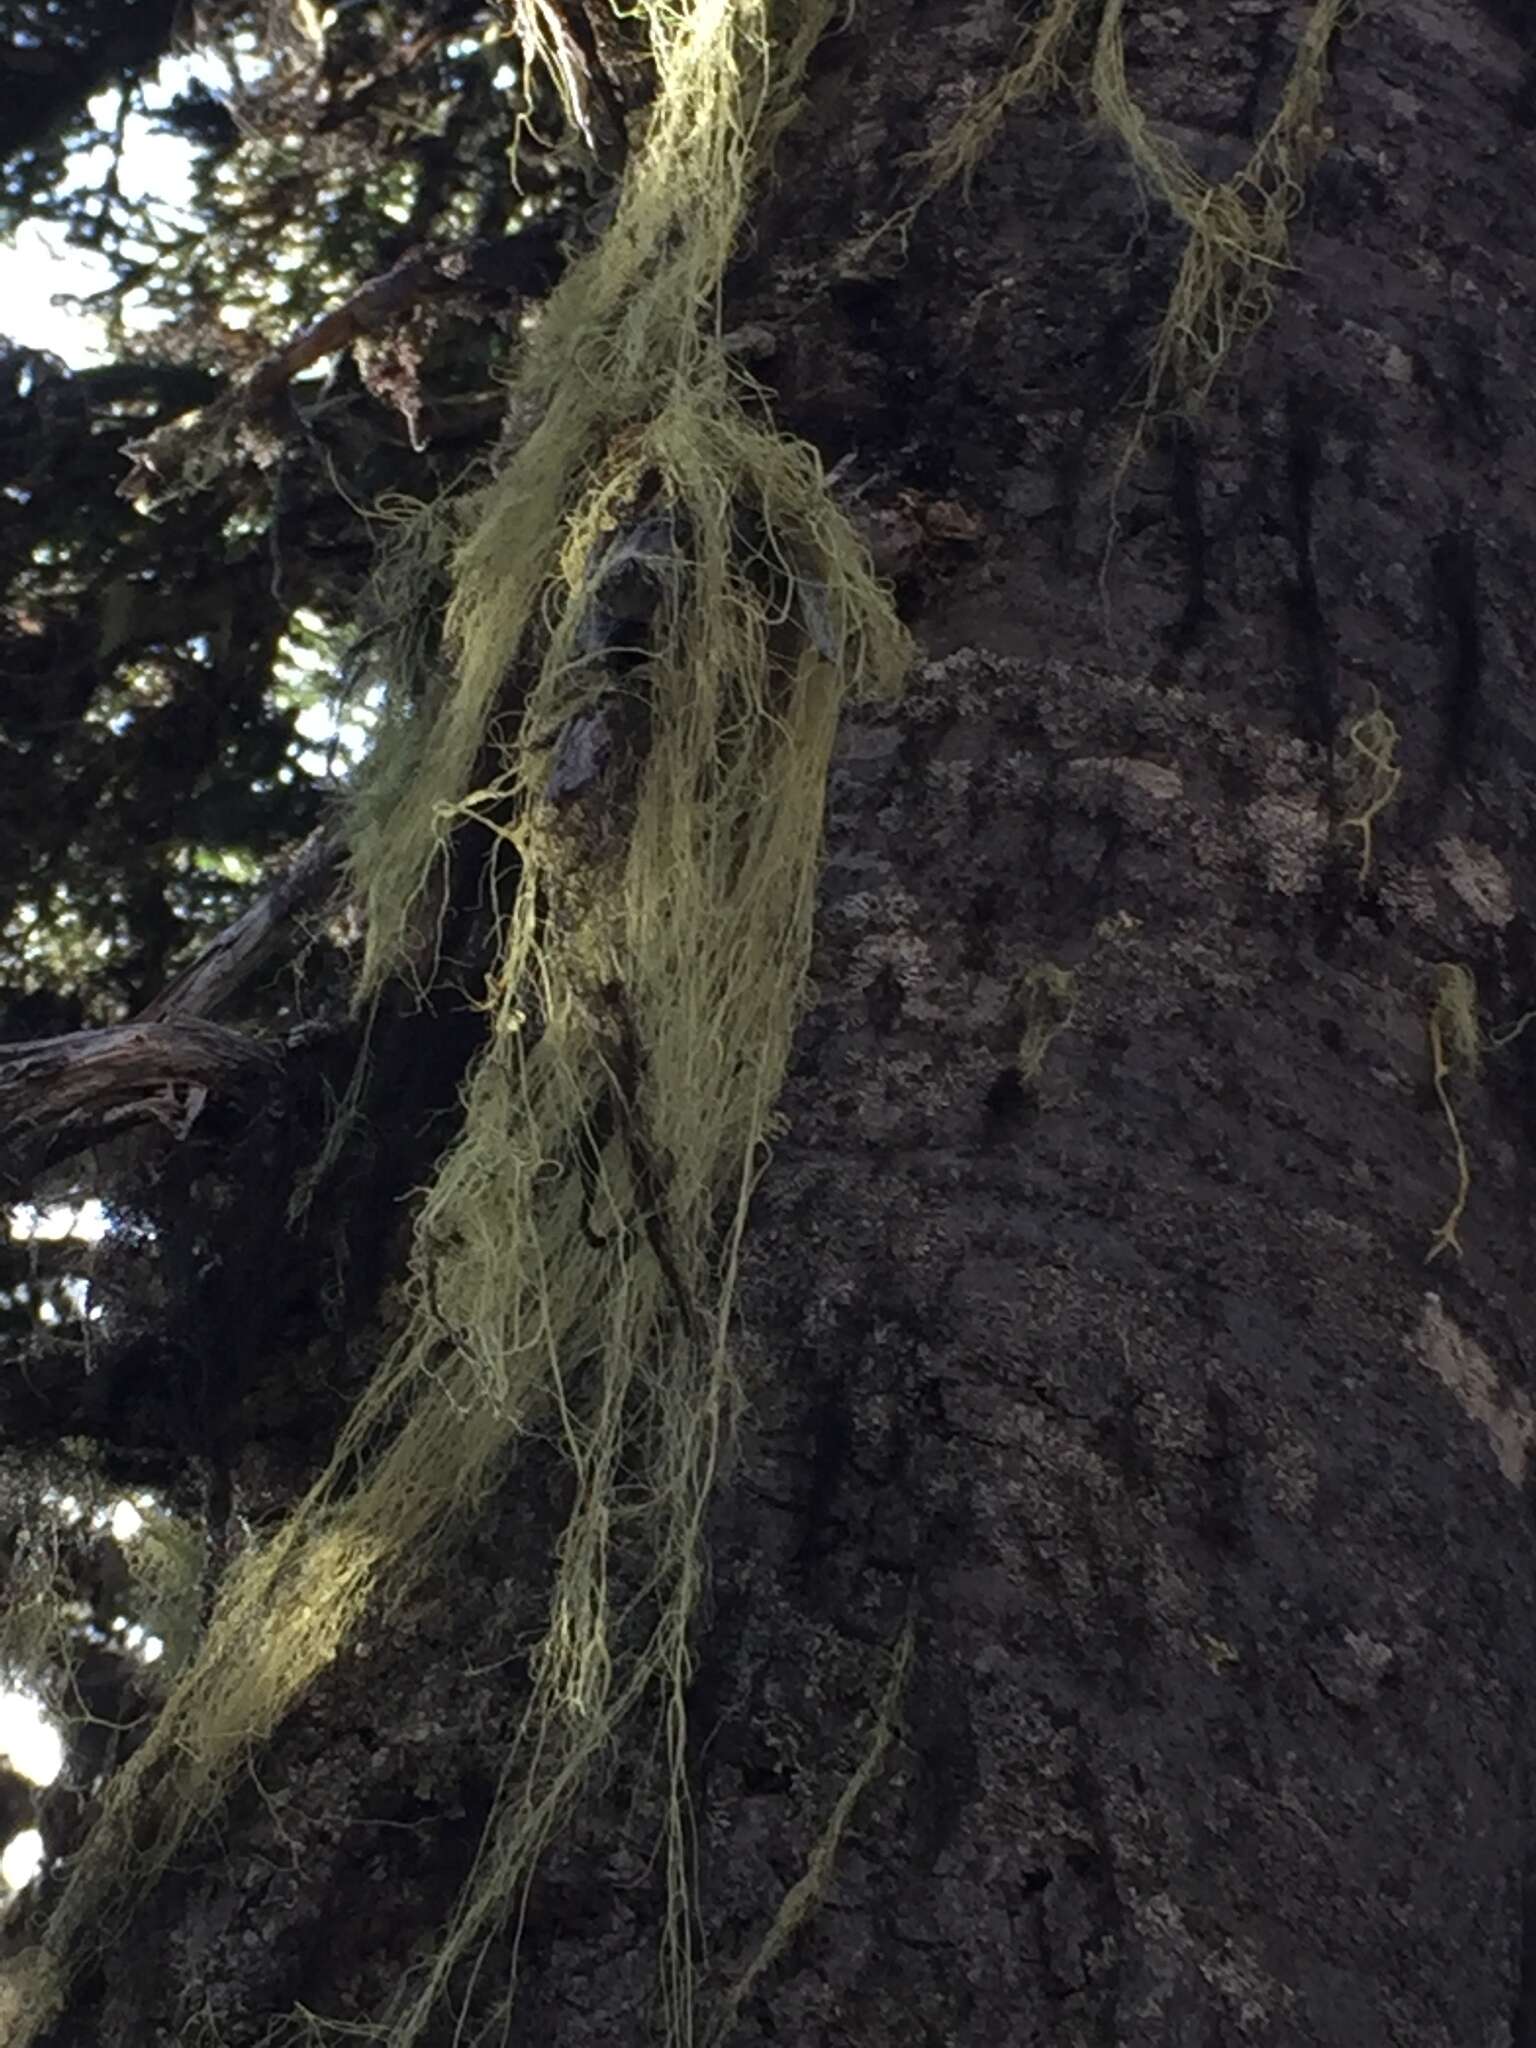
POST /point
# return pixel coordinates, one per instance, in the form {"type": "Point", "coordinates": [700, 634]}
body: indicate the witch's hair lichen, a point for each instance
{"type": "Point", "coordinates": [1369, 777]}
{"type": "Point", "coordinates": [1047, 999]}
{"type": "Point", "coordinates": [576, 1255]}
{"type": "Point", "coordinates": [31, 1994]}
{"type": "Point", "coordinates": [1455, 1046]}
{"type": "Point", "coordinates": [1238, 228]}
{"type": "Point", "coordinates": [1038, 70]}
{"type": "Point", "coordinates": [1457, 1042]}
{"type": "Point", "coordinates": [805, 1893]}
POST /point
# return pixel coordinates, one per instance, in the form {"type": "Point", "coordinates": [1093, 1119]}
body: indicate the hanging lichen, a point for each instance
{"type": "Point", "coordinates": [1047, 1001]}
{"type": "Point", "coordinates": [661, 800]}
{"type": "Point", "coordinates": [805, 1893]}
{"type": "Point", "coordinates": [1369, 777]}
{"type": "Point", "coordinates": [1457, 1043]}
{"type": "Point", "coordinates": [1037, 71]}
{"type": "Point", "coordinates": [1238, 229]}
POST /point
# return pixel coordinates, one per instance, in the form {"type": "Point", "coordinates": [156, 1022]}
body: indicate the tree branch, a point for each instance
{"type": "Point", "coordinates": [59, 1096]}
{"type": "Point", "coordinates": [183, 455]}
{"type": "Point", "coordinates": [228, 962]}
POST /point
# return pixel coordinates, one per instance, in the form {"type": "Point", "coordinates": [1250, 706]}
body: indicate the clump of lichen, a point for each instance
{"type": "Point", "coordinates": [576, 1255]}
{"type": "Point", "coordinates": [1237, 229]}
{"type": "Point", "coordinates": [1369, 776]}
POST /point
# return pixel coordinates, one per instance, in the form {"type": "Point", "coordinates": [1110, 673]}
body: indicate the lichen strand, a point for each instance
{"type": "Point", "coordinates": [576, 1256]}
{"type": "Point", "coordinates": [1039, 70]}
{"type": "Point", "coordinates": [1455, 1046]}
{"type": "Point", "coordinates": [1457, 1043]}
{"type": "Point", "coordinates": [1238, 229]}
{"type": "Point", "coordinates": [1047, 999]}
{"type": "Point", "coordinates": [805, 1893]}
{"type": "Point", "coordinates": [1369, 777]}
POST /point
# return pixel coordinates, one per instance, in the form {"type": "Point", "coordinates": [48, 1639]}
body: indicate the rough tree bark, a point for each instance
{"type": "Point", "coordinates": [1112, 1355]}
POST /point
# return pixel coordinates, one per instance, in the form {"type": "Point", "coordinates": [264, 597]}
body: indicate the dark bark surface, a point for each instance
{"type": "Point", "coordinates": [1126, 1378]}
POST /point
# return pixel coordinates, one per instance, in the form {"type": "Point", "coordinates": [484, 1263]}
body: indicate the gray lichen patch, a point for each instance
{"type": "Point", "coordinates": [1479, 878]}
{"type": "Point", "coordinates": [1503, 1412]}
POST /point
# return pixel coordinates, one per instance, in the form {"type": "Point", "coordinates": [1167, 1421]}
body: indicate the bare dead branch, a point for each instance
{"type": "Point", "coordinates": [228, 962]}
{"type": "Point", "coordinates": [59, 1096]}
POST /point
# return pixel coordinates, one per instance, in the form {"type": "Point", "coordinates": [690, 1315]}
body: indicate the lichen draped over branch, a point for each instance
{"type": "Point", "coordinates": [576, 1256]}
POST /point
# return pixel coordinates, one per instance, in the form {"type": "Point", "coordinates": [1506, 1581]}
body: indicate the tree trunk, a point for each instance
{"type": "Point", "coordinates": [1089, 1319]}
